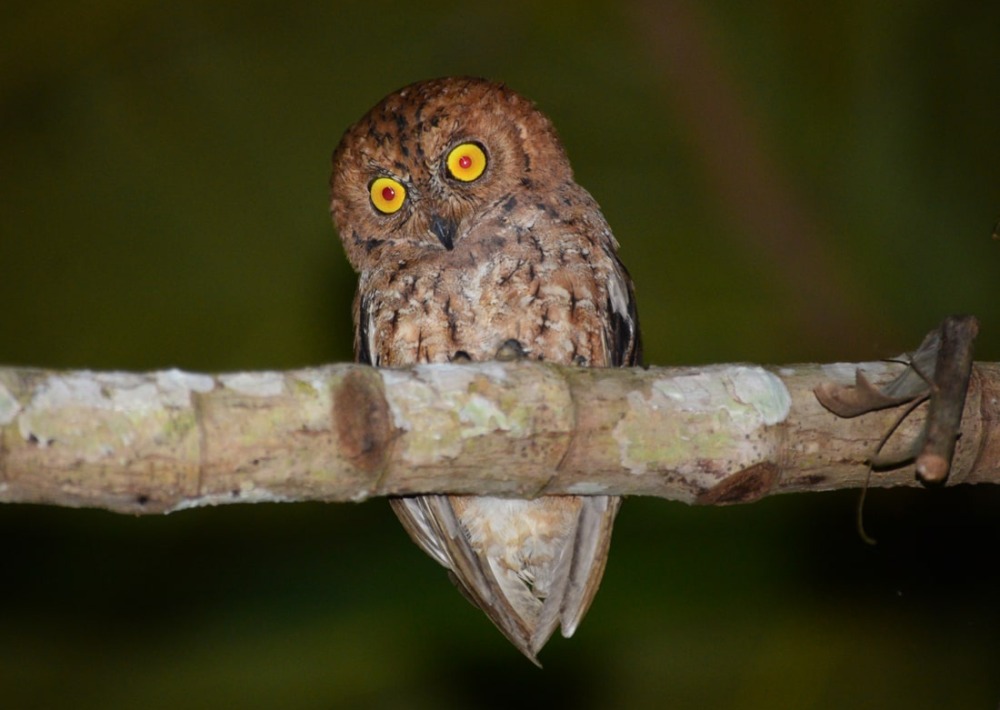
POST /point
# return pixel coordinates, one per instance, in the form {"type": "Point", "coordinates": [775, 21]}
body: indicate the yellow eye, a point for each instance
{"type": "Point", "coordinates": [466, 162]}
{"type": "Point", "coordinates": [387, 195]}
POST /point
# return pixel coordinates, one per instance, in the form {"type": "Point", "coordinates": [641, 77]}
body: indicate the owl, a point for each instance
{"type": "Point", "coordinates": [456, 205]}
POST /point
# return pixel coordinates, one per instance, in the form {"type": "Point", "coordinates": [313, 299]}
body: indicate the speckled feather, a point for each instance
{"type": "Point", "coordinates": [527, 256]}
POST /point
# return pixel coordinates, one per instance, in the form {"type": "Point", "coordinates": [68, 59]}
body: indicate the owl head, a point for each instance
{"type": "Point", "coordinates": [418, 169]}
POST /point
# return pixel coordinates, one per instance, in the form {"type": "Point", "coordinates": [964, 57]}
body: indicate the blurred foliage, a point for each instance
{"type": "Point", "coordinates": [163, 195]}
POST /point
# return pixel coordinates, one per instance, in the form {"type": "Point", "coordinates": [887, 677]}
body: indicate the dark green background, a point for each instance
{"type": "Point", "coordinates": [789, 182]}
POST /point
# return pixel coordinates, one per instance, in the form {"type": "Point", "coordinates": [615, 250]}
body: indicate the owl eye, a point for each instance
{"type": "Point", "coordinates": [466, 162]}
{"type": "Point", "coordinates": [387, 195]}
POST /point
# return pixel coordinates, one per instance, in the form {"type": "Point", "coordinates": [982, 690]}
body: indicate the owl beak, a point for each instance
{"type": "Point", "coordinates": [444, 230]}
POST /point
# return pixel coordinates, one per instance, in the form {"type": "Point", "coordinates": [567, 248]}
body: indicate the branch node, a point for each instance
{"type": "Point", "coordinates": [363, 423]}
{"type": "Point", "coordinates": [745, 486]}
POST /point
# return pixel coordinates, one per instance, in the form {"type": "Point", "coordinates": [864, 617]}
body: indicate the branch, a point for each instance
{"type": "Point", "coordinates": [165, 441]}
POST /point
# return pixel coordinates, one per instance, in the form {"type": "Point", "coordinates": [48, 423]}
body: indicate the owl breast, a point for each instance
{"type": "Point", "coordinates": [498, 283]}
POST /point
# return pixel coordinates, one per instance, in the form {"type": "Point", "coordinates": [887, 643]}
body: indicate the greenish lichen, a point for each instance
{"type": "Point", "coordinates": [686, 421]}
{"type": "Point", "coordinates": [762, 391]}
{"type": "Point", "coordinates": [9, 406]}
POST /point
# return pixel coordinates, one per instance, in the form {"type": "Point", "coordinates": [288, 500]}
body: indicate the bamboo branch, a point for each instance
{"type": "Point", "coordinates": [165, 441]}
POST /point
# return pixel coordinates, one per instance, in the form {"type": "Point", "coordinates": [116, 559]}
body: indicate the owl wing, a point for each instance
{"type": "Point", "coordinates": [580, 571]}
{"type": "Point", "coordinates": [622, 340]}
{"type": "Point", "coordinates": [433, 525]}
{"type": "Point", "coordinates": [364, 350]}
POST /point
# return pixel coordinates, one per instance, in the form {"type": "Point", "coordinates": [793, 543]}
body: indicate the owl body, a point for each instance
{"type": "Point", "coordinates": [467, 260]}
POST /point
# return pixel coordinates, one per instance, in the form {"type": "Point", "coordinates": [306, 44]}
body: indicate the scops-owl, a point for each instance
{"type": "Point", "coordinates": [456, 205]}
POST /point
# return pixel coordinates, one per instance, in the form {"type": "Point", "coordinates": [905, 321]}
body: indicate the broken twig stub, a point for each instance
{"type": "Point", "coordinates": [938, 371]}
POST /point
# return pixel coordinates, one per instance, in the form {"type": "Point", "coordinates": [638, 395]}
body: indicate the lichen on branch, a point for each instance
{"type": "Point", "coordinates": [165, 441]}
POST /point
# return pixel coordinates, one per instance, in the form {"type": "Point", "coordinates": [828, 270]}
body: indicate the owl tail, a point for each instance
{"type": "Point", "coordinates": [526, 615]}
{"type": "Point", "coordinates": [580, 570]}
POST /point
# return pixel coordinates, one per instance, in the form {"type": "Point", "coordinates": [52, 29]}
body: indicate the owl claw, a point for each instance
{"type": "Point", "coordinates": [510, 351]}
{"type": "Point", "coordinates": [461, 357]}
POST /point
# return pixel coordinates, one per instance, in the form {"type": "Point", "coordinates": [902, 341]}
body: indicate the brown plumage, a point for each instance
{"type": "Point", "coordinates": [456, 204]}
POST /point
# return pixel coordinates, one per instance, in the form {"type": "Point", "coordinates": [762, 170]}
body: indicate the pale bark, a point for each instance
{"type": "Point", "coordinates": [165, 441]}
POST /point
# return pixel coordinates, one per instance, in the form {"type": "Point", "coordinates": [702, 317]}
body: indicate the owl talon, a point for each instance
{"type": "Point", "coordinates": [510, 351]}
{"type": "Point", "coordinates": [461, 357]}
